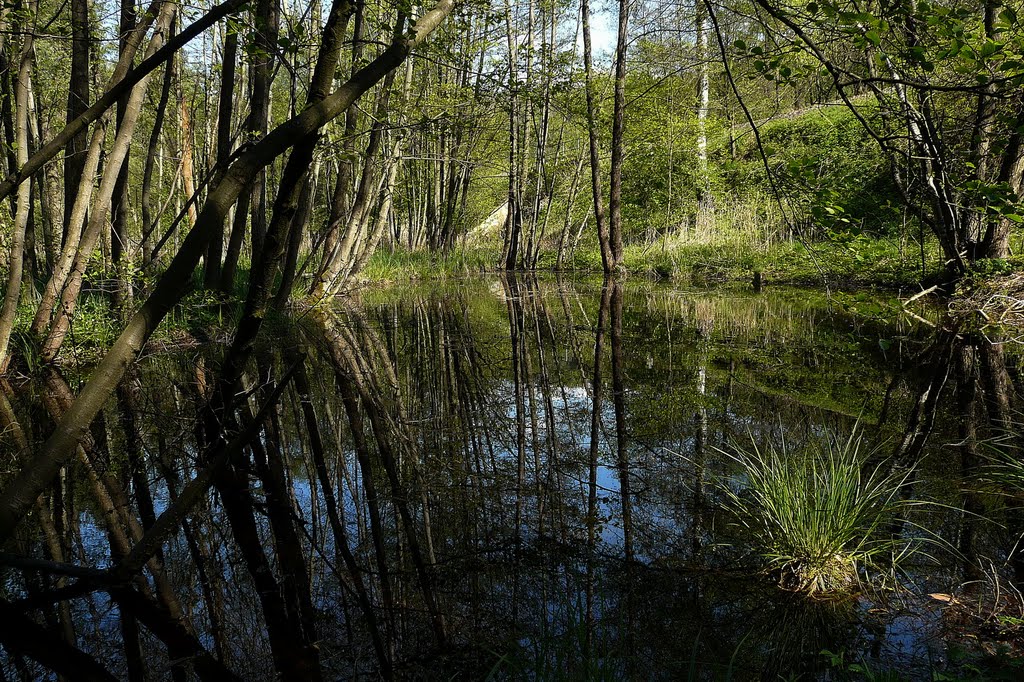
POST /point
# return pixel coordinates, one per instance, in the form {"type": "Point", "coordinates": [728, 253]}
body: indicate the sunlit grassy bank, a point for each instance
{"type": "Point", "coordinates": [878, 263]}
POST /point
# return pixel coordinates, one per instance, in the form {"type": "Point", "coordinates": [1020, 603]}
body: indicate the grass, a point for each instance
{"type": "Point", "coordinates": [869, 262]}
{"type": "Point", "coordinates": [878, 263]}
{"type": "Point", "coordinates": [814, 516]}
{"type": "Point", "coordinates": [387, 265]}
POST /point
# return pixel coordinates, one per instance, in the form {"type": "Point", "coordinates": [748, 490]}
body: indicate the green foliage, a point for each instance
{"type": "Point", "coordinates": [831, 172]}
{"type": "Point", "coordinates": [93, 325]}
{"type": "Point", "coordinates": [814, 515]}
{"type": "Point", "coordinates": [954, 71]}
{"type": "Point", "coordinates": [990, 267]}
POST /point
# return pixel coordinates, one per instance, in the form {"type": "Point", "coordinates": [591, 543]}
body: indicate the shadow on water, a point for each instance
{"type": "Point", "coordinates": [498, 478]}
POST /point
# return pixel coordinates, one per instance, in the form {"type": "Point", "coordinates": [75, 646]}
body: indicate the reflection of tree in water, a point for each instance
{"type": "Point", "coordinates": [459, 481]}
{"type": "Point", "coordinates": [972, 375]}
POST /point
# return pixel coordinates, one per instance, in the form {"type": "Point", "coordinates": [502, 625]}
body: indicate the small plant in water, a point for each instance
{"type": "Point", "coordinates": [815, 514]}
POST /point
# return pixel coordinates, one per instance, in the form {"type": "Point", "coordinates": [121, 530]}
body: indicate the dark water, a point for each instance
{"type": "Point", "coordinates": [510, 479]}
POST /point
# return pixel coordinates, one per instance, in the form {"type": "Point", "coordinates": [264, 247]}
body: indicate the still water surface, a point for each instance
{"type": "Point", "coordinates": [515, 479]}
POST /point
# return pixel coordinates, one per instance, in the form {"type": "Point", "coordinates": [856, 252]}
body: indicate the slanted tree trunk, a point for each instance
{"type": "Point", "coordinates": [379, 227]}
{"type": "Point", "coordinates": [91, 163]}
{"type": "Point", "coordinates": [20, 493]}
{"type": "Point", "coordinates": [122, 80]}
{"type": "Point", "coordinates": [98, 215]}
{"type": "Point", "coordinates": [341, 199]}
{"type": "Point", "coordinates": [149, 220]}
{"type": "Point", "coordinates": [360, 215]}
{"type": "Point", "coordinates": [296, 235]}
{"type": "Point", "coordinates": [296, 173]}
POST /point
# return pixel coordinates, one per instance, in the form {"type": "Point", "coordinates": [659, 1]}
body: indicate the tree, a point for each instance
{"type": "Point", "coordinates": [607, 254]}
{"type": "Point", "coordinates": [618, 133]}
{"type": "Point", "coordinates": [22, 87]}
{"type": "Point", "coordinates": [19, 494]}
{"type": "Point", "coordinates": [925, 64]}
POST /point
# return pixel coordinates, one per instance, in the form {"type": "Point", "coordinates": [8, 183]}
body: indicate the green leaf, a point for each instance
{"type": "Point", "coordinates": [990, 48]}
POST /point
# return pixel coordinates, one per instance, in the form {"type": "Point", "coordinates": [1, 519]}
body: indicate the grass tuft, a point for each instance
{"type": "Point", "coordinates": [815, 516]}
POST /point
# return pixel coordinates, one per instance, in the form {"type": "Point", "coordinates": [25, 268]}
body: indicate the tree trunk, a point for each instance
{"type": "Point", "coordinates": [98, 215]}
{"type": "Point", "coordinates": [387, 192]}
{"type": "Point", "coordinates": [267, 22]}
{"type": "Point", "coordinates": [225, 112]}
{"type": "Point", "coordinates": [607, 255]}
{"type": "Point", "coordinates": [91, 163]}
{"type": "Point", "coordinates": [17, 255]}
{"type": "Point", "coordinates": [150, 221]}
{"type": "Point", "coordinates": [336, 272]}
{"type": "Point", "coordinates": [514, 218]}
{"type": "Point", "coordinates": [188, 176]}
{"type": "Point", "coordinates": [122, 80]}
{"type": "Point", "coordinates": [618, 128]}
{"type": "Point", "coordinates": [78, 102]}
{"type": "Point", "coordinates": [705, 200]}
{"type": "Point", "coordinates": [119, 251]}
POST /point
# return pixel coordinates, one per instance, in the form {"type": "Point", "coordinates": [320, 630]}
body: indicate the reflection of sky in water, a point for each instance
{"type": "Point", "coordinates": [669, 382]}
{"type": "Point", "coordinates": [95, 544]}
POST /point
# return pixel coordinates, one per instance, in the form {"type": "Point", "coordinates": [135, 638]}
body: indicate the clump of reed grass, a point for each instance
{"type": "Point", "coordinates": [819, 520]}
{"type": "Point", "coordinates": [1003, 472]}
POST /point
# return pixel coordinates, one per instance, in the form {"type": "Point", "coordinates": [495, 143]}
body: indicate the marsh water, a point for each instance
{"type": "Point", "coordinates": [512, 478]}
